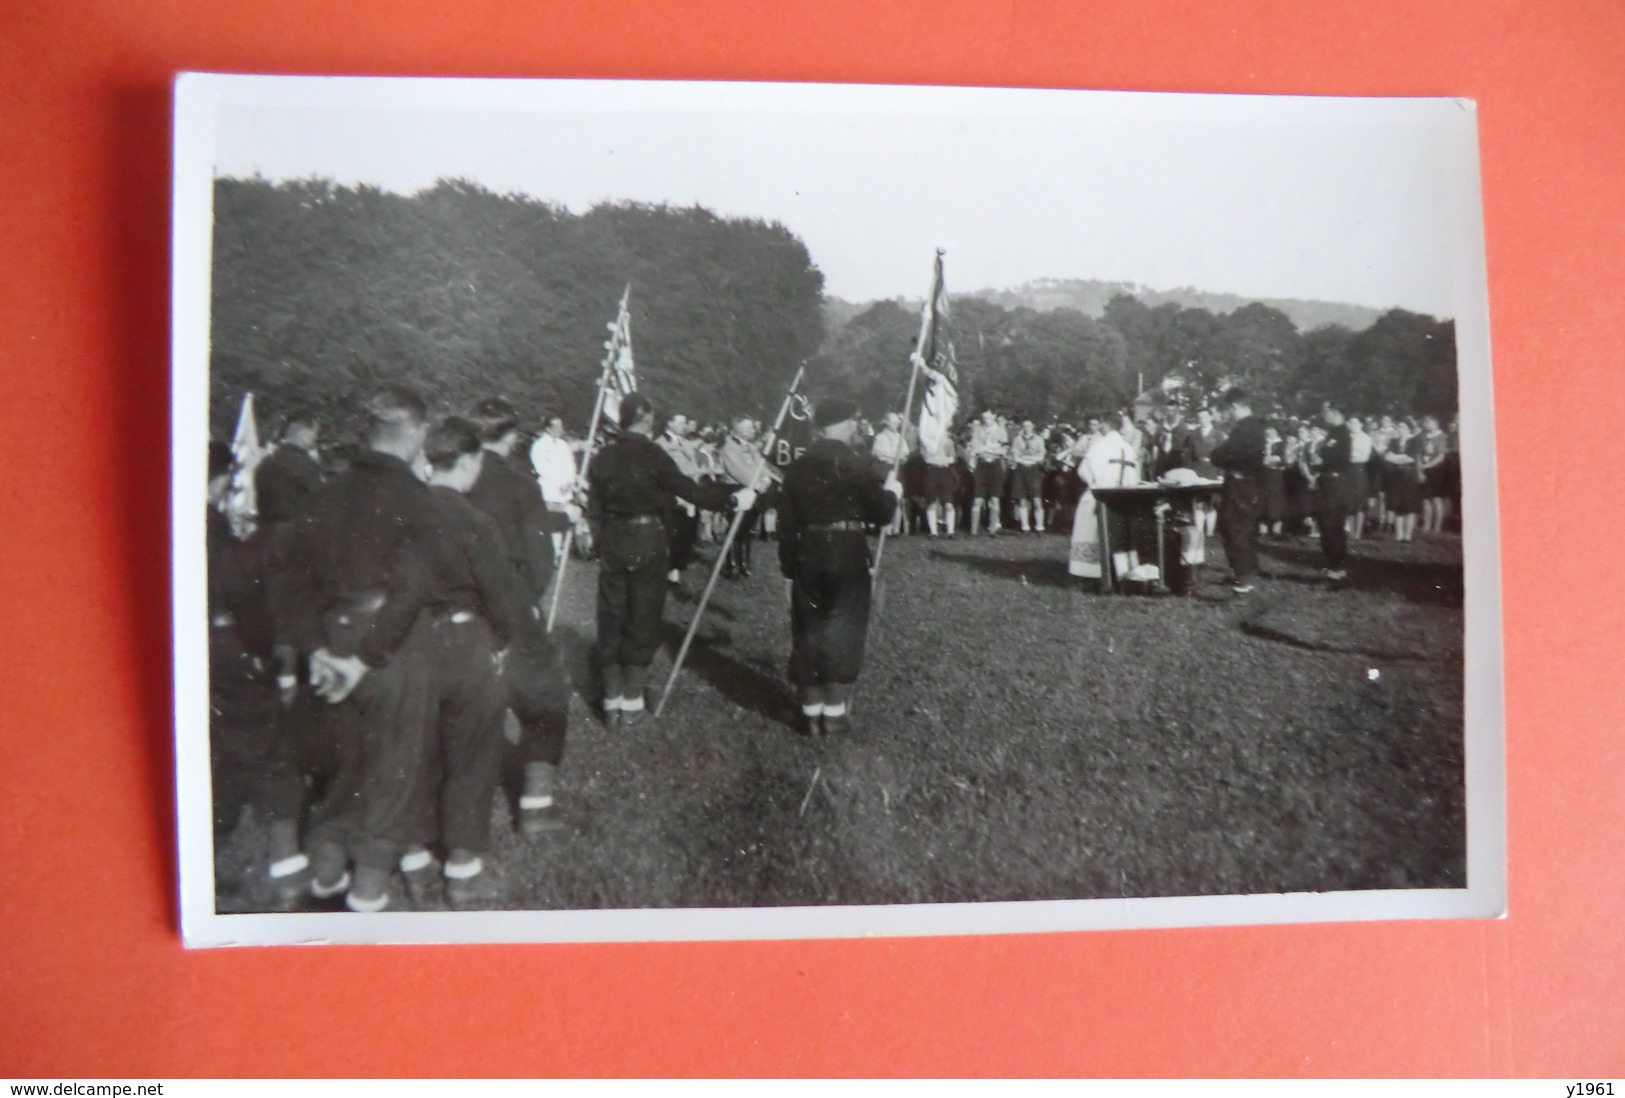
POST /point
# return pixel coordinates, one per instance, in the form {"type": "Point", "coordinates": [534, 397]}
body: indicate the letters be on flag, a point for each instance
{"type": "Point", "coordinates": [620, 380]}
{"type": "Point", "coordinates": [941, 401]}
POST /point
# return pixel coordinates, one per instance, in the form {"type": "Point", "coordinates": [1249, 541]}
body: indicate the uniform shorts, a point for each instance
{"type": "Point", "coordinates": [1027, 482]}
{"type": "Point", "coordinates": [941, 483]}
{"type": "Point", "coordinates": [989, 479]}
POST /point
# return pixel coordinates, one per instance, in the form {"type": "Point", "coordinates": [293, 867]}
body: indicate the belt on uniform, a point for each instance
{"type": "Point", "coordinates": [636, 520]}
{"type": "Point", "coordinates": [369, 602]}
{"type": "Point", "coordinates": [849, 524]}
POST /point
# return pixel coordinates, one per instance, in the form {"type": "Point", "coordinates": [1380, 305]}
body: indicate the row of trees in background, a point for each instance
{"type": "Point", "coordinates": [322, 291]}
{"type": "Point", "coordinates": [1063, 365]}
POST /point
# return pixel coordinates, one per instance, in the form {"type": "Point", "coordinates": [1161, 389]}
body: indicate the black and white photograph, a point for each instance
{"type": "Point", "coordinates": [636, 510]}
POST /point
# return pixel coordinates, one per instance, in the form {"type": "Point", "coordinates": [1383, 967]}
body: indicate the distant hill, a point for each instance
{"type": "Point", "coordinates": [1089, 296]}
{"type": "Point", "coordinates": [838, 311]}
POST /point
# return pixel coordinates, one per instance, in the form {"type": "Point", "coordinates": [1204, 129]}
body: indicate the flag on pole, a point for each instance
{"type": "Point", "coordinates": [241, 507]}
{"type": "Point", "coordinates": [941, 401]}
{"type": "Point", "coordinates": [620, 380]}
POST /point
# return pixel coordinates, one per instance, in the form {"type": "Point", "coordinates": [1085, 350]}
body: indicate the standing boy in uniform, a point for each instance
{"type": "Point", "coordinates": [676, 440]}
{"type": "Point", "coordinates": [533, 672]}
{"type": "Point", "coordinates": [476, 610]}
{"type": "Point", "coordinates": [1027, 478]}
{"type": "Point", "coordinates": [249, 762]}
{"type": "Point", "coordinates": [1241, 456]}
{"type": "Point", "coordinates": [359, 586]}
{"type": "Point", "coordinates": [742, 465]}
{"type": "Point", "coordinates": [831, 497]}
{"type": "Point", "coordinates": [1332, 495]}
{"type": "Point", "coordinates": [634, 485]}
{"type": "Point", "coordinates": [985, 455]}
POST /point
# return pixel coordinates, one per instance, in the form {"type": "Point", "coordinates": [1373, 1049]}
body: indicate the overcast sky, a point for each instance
{"type": "Point", "coordinates": [1345, 201]}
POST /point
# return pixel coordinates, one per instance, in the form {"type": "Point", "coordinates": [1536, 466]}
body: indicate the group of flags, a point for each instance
{"type": "Point", "coordinates": [937, 409]}
{"type": "Point", "coordinates": [935, 348]}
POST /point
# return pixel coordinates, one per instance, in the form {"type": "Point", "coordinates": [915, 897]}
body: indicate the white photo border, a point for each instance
{"type": "Point", "coordinates": [198, 99]}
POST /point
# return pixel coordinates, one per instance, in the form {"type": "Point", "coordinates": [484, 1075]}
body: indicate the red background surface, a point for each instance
{"type": "Point", "coordinates": [93, 980]}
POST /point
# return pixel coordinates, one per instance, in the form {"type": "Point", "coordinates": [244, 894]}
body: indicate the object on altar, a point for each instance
{"type": "Point", "coordinates": [1184, 477]}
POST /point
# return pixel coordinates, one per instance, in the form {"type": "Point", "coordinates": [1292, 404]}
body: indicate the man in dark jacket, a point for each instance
{"type": "Point", "coordinates": [477, 609]}
{"type": "Point", "coordinates": [831, 496]}
{"type": "Point", "coordinates": [1241, 456]}
{"type": "Point", "coordinates": [357, 604]}
{"type": "Point", "coordinates": [633, 488]}
{"type": "Point", "coordinates": [538, 694]}
{"type": "Point", "coordinates": [249, 764]}
{"type": "Point", "coordinates": [285, 485]}
{"type": "Point", "coordinates": [1332, 496]}
{"type": "Point", "coordinates": [286, 481]}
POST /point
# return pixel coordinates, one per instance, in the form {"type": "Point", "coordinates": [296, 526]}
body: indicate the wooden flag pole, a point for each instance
{"type": "Point", "coordinates": [727, 543]}
{"type": "Point", "coordinates": [586, 462]}
{"type": "Point", "coordinates": [927, 316]}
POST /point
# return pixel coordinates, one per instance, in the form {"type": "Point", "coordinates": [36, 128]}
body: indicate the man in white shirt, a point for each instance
{"type": "Point", "coordinates": [676, 440]}
{"type": "Point", "coordinates": [553, 460]}
{"type": "Point", "coordinates": [743, 465]}
{"type": "Point", "coordinates": [889, 450]}
{"type": "Point", "coordinates": [1360, 446]}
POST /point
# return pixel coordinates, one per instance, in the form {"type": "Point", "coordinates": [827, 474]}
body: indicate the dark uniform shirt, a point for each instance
{"type": "Point", "coordinates": [1336, 451]}
{"type": "Point", "coordinates": [514, 504]}
{"type": "Point", "coordinates": [285, 483]}
{"type": "Point", "coordinates": [469, 569]}
{"type": "Point", "coordinates": [1198, 448]}
{"type": "Point", "coordinates": [1243, 450]}
{"type": "Point", "coordinates": [1167, 448]}
{"type": "Point", "coordinates": [831, 483]}
{"type": "Point", "coordinates": [365, 538]}
{"type": "Point", "coordinates": [237, 599]}
{"type": "Point", "coordinates": [634, 476]}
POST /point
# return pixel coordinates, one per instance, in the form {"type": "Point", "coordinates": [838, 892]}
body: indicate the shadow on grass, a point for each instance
{"type": "Point", "coordinates": [1426, 583]}
{"type": "Point", "coordinates": [1254, 625]}
{"type": "Point", "coordinates": [689, 597]}
{"type": "Point", "coordinates": [1039, 571]}
{"type": "Point", "coordinates": [754, 686]}
{"type": "Point", "coordinates": [580, 669]}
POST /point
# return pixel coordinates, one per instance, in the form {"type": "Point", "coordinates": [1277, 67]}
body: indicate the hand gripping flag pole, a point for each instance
{"type": "Point", "coordinates": [612, 352]}
{"type": "Point", "coordinates": [728, 540]}
{"type": "Point", "coordinates": [928, 324]}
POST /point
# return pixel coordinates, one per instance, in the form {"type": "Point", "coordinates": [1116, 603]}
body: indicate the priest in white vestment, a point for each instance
{"type": "Point", "coordinates": [1110, 462]}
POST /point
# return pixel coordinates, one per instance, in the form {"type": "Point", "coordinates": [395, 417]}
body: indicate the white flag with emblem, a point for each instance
{"type": "Point", "coordinates": [620, 380]}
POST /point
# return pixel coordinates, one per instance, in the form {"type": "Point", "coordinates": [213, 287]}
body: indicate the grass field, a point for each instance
{"type": "Point", "coordinates": [1020, 738]}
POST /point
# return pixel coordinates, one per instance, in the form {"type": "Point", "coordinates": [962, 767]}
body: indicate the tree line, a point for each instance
{"type": "Point", "coordinates": [322, 291]}
{"type": "Point", "coordinates": [1063, 365]}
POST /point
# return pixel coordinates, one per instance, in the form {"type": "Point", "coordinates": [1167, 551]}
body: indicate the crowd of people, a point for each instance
{"type": "Point", "coordinates": [1005, 475]}
{"type": "Point", "coordinates": [380, 645]}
